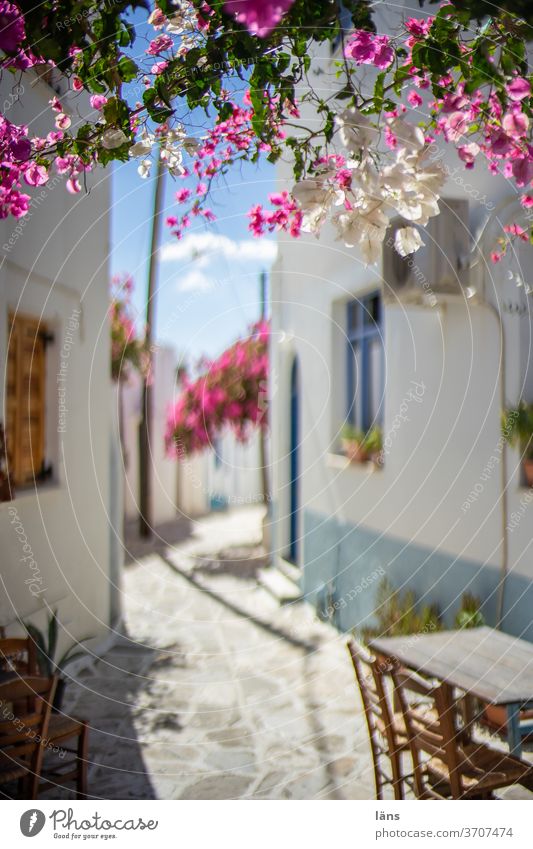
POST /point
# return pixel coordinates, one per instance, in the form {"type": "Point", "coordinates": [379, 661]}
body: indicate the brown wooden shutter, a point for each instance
{"type": "Point", "coordinates": [25, 401]}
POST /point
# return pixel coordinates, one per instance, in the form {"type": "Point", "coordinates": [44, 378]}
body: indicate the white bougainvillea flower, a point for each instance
{"type": "Point", "coordinates": [143, 146]}
{"type": "Point", "coordinates": [113, 138]}
{"type": "Point", "coordinates": [407, 241]}
{"type": "Point", "coordinates": [191, 145]}
{"type": "Point", "coordinates": [408, 135]}
{"type": "Point", "coordinates": [355, 131]}
{"type": "Point", "coordinates": [315, 198]}
{"type": "Point", "coordinates": [363, 229]}
{"type": "Point", "coordinates": [173, 158]}
{"type": "Point", "coordinates": [144, 168]}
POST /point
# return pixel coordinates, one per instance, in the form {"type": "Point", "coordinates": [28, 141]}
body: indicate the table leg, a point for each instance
{"type": "Point", "coordinates": [514, 737]}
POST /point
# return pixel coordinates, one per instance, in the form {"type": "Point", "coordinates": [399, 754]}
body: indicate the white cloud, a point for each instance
{"type": "Point", "coordinates": [214, 246]}
{"type": "Point", "coordinates": [195, 281]}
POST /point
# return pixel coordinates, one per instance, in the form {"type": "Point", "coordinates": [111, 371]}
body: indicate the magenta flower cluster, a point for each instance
{"type": "Point", "coordinates": [366, 48]}
{"type": "Point", "coordinates": [259, 17]}
{"type": "Point", "coordinates": [231, 393]}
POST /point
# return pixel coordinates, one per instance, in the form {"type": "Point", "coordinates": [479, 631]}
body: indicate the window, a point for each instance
{"type": "Point", "coordinates": [25, 399]}
{"type": "Point", "coordinates": [365, 361]}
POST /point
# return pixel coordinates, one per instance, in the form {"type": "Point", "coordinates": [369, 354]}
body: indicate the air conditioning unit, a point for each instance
{"type": "Point", "coordinates": [437, 271]}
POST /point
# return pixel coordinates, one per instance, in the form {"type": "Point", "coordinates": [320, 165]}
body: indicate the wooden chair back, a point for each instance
{"type": "Point", "coordinates": [370, 673]}
{"type": "Point", "coordinates": [25, 707]}
{"type": "Point", "coordinates": [433, 729]}
{"type": "Point", "coordinates": [19, 654]}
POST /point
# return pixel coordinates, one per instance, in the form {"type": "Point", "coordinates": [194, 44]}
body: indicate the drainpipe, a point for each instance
{"type": "Point", "coordinates": [481, 249]}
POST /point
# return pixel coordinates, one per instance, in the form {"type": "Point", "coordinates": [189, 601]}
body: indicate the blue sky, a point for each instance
{"type": "Point", "coordinates": [208, 284]}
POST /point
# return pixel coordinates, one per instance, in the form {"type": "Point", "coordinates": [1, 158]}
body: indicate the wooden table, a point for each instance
{"type": "Point", "coordinates": [493, 666]}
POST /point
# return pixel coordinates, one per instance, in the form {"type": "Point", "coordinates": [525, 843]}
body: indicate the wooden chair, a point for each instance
{"type": "Point", "coordinates": [25, 706]}
{"type": "Point", "coordinates": [442, 749]}
{"type": "Point", "coordinates": [20, 655]}
{"type": "Point", "coordinates": [386, 728]}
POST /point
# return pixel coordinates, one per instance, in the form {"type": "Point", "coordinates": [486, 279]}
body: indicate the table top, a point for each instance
{"type": "Point", "coordinates": [494, 666]}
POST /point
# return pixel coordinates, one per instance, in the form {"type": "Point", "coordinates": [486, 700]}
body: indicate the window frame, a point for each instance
{"type": "Point", "coordinates": [361, 333]}
{"type": "Point", "coordinates": [21, 403]}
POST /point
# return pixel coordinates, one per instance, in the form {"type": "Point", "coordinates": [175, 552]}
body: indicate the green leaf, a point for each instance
{"type": "Point", "coordinates": [53, 630]}
{"type": "Point", "coordinates": [127, 69]}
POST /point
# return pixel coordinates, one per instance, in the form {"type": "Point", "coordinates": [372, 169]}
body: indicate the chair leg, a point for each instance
{"type": "Point", "coordinates": [82, 755]}
{"type": "Point", "coordinates": [397, 775]}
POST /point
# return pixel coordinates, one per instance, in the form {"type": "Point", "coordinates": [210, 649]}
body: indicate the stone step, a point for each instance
{"type": "Point", "coordinates": [279, 586]}
{"type": "Point", "coordinates": [292, 572]}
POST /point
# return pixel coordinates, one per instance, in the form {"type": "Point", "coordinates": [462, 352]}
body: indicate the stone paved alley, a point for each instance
{"type": "Point", "coordinates": [214, 691]}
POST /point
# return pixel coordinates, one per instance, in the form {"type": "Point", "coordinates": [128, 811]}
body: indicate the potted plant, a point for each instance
{"type": "Point", "coordinates": [359, 446]}
{"type": "Point", "coordinates": [46, 645]}
{"type": "Point", "coordinates": [353, 444]}
{"type": "Point", "coordinates": [517, 429]}
{"type": "Point", "coordinates": [374, 445]}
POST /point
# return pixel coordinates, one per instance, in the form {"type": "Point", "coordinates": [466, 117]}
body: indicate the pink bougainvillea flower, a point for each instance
{"type": "Point", "coordinates": [159, 45]}
{"type": "Point", "coordinates": [77, 84]}
{"type": "Point", "coordinates": [384, 53]}
{"type": "Point", "coordinates": [73, 186]}
{"type": "Point", "coordinates": [418, 27]}
{"type": "Point", "coordinates": [98, 101]}
{"type": "Point", "coordinates": [360, 47]}
{"type": "Point", "coordinates": [365, 48]}
{"type": "Point", "coordinates": [468, 153]}
{"type": "Point", "coordinates": [35, 175]}
{"type": "Point", "coordinates": [515, 124]}
{"type": "Point", "coordinates": [456, 126]}
{"type": "Point", "coordinates": [21, 149]}
{"type": "Point", "coordinates": [499, 143]}
{"type": "Point", "coordinates": [11, 27]}
{"type": "Point", "coordinates": [516, 230]}
{"type": "Point", "coordinates": [519, 88]}
{"type": "Point", "coordinates": [527, 201]}
{"type": "Point", "coordinates": [414, 98]}
{"type": "Point", "coordinates": [258, 16]}
{"type": "Point", "coordinates": [63, 121]}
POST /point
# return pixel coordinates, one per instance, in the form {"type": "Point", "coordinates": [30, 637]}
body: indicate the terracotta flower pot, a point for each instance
{"type": "Point", "coordinates": [528, 471]}
{"type": "Point", "coordinates": [354, 451]}
{"type": "Point", "coordinates": [495, 717]}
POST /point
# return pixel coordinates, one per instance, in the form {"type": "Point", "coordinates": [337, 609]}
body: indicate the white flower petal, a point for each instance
{"type": "Point", "coordinates": [113, 138]}
{"type": "Point", "coordinates": [407, 240]}
{"type": "Point", "coordinates": [144, 168]}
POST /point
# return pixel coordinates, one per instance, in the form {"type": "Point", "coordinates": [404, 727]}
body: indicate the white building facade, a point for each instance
{"type": "Point", "coordinates": [447, 512]}
{"type": "Point", "coordinates": [59, 534]}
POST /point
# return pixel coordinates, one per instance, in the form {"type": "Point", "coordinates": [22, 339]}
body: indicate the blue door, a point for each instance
{"type": "Point", "coordinates": [294, 460]}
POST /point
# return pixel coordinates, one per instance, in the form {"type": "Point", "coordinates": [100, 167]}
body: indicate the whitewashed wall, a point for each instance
{"type": "Point", "coordinates": [163, 468]}
{"type": "Point", "coordinates": [55, 262]}
{"type": "Point", "coordinates": [454, 350]}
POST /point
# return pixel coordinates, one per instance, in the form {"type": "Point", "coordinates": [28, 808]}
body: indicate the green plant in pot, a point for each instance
{"type": "Point", "coordinates": [359, 446]}
{"type": "Point", "coordinates": [517, 429]}
{"type": "Point", "coordinates": [353, 444]}
{"type": "Point", "coordinates": [46, 645]}
{"type": "Point", "coordinates": [469, 614]}
{"type": "Point", "coordinates": [373, 443]}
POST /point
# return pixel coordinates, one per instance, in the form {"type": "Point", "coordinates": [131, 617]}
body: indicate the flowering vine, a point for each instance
{"type": "Point", "coordinates": [128, 350]}
{"type": "Point", "coordinates": [366, 156]}
{"type": "Point", "coordinates": [231, 392]}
